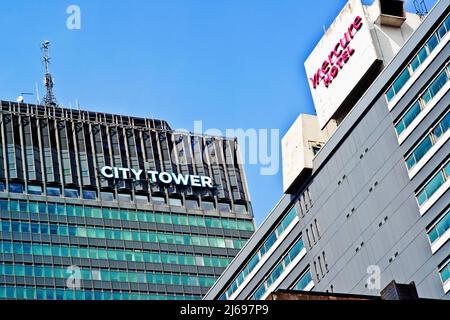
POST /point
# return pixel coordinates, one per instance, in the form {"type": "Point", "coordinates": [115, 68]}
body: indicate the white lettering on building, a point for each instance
{"type": "Point", "coordinates": [155, 177]}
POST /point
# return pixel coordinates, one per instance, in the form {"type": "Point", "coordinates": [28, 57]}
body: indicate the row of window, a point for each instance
{"type": "Point", "coordinates": [428, 142]}
{"type": "Point", "coordinates": [32, 293]}
{"type": "Point", "coordinates": [418, 59]}
{"type": "Point", "coordinates": [115, 234]}
{"type": "Point", "coordinates": [105, 275]}
{"type": "Point", "coordinates": [116, 214]}
{"type": "Point", "coordinates": [421, 103]}
{"type": "Point", "coordinates": [304, 281]}
{"type": "Point", "coordinates": [111, 254]}
{"type": "Point", "coordinates": [286, 260]}
{"type": "Point", "coordinates": [434, 184]}
{"type": "Point", "coordinates": [438, 229]}
{"type": "Point", "coordinates": [265, 247]}
{"type": "Point", "coordinates": [225, 207]}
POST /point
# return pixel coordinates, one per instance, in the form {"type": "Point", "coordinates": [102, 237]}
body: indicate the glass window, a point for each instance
{"type": "Point", "coordinates": [442, 31]}
{"type": "Point", "coordinates": [432, 43]}
{"type": "Point", "coordinates": [124, 198]}
{"type": "Point", "coordinates": [240, 208]}
{"type": "Point", "coordinates": [437, 84]}
{"type": "Point", "coordinates": [442, 127]}
{"type": "Point", "coordinates": [208, 205]}
{"type": "Point", "coordinates": [71, 193]}
{"type": "Point", "coordinates": [140, 199]}
{"type": "Point", "coordinates": [2, 187]}
{"type": "Point", "coordinates": [191, 204]}
{"type": "Point", "coordinates": [89, 195]}
{"type": "Point", "coordinates": [441, 227]}
{"type": "Point", "coordinates": [445, 271]}
{"type": "Point", "coordinates": [53, 192]}
{"type": "Point", "coordinates": [419, 152]}
{"type": "Point", "coordinates": [401, 80]}
{"type": "Point", "coordinates": [431, 188]}
{"type": "Point", "coordinates": [107, 196]}
{"type": "Point", "coordinates": [15, 187]}
{"type": "Point", "coordinates": [419, 59]}
{"type": "Point", "coordinates": [175, 202]}
{"type": "Point", "coordinates": [37, 190]}
{"type": "Point", "coordinates": [224, 207]}
{"type": "Point", "coordinates": [159, 200]}
{"type": "Point", "coordinates": [304, 281]}
{"type": "Point", "coordinates": [408, 117]}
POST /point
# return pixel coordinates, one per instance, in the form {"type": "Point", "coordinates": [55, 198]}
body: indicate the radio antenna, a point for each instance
{"type": "Point", "coordinates": [49, 98]}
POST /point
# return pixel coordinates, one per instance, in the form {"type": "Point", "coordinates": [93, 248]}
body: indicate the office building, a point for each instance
{"type": "Point", "coordinates": [367, 181]}
{"type": "Point", "coordinates": [111, 207]}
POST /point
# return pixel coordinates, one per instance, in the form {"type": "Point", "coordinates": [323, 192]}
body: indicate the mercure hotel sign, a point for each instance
{"type": "Point", "coordinates": [156, 177]}
{"type": "Point", "coordinates": [341, 59]}
{"type": "Point", "coordinates": [338, 57]}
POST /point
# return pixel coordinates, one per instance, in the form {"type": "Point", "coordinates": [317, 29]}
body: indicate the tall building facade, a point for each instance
{"type": "Point", "coordinates": [367, 184]}
{"type": "Point", "coordinates": [102, 206]}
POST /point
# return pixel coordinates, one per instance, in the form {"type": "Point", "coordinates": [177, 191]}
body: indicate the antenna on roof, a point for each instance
{"type": "Point", "coordinates": [49, 98]}
{"type": "Point", "coordinates": [421, 8]}
{"type": "Point", "coordinates": [37, 94]}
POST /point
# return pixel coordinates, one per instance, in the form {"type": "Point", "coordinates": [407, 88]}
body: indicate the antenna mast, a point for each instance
{"type": "Point", "coordinates": [49, 98]}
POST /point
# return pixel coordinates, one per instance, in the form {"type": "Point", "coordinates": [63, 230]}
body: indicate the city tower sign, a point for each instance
{"type": "Point", "coordinates": [156, 177]}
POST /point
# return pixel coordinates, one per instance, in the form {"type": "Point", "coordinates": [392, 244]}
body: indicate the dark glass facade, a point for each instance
{"type": "Point", "coordinates": [67, 232]}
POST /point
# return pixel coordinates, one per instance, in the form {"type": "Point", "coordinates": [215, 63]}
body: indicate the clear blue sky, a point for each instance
{"type": "Point", "coordinates": [229, 63]}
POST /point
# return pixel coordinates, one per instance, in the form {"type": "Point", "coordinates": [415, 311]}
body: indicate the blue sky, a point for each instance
{"type": "Point", "coordinates": [229, 63]}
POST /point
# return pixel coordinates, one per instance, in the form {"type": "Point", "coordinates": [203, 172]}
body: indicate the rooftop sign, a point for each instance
{"type": "Point", "coordinates": [156, 177]}
{"type": "Point", "coordinates": [340, 60]}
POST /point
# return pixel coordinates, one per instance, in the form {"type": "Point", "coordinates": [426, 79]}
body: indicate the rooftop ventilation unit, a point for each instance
{"type": "Point", "coordinates": [392, 13]}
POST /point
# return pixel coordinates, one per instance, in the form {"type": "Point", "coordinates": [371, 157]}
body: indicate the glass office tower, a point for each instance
{"type": "Point", "coordinates": [102, 206]}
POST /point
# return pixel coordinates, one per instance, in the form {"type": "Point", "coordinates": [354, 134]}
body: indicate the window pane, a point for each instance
{"type": "Point", "coordinates": [419, 152]}
{"type": "Point", "coordinates": [401, 80]}
{"type": "Point", "coordinates": [107, 196]}
{"type": "Point", "coordinates": [175, 202]}
{"type": "Point", "coordinates": [158, 200]}
{"type": "Point", "coordinates": [208, 205]}
{"type": "Point", "coordinates": [432, 43]}
{"type": "Point", "coordinates": [89, 195]}
{"type": "Point", "coordinates": [71, 193]}
{"type": "Point", "coordinates": [412, 113]}
{"type": "Point", "coordinates": [53, 192]}
{"type": "Point", "coordinates": [16, 188]}
{"type": "Point", "coordinates": [37, 190]}
{"type": "Point", "coordinates": [438, 83]}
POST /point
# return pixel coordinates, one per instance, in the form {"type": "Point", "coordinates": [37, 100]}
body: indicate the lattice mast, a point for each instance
{"type": "Point", "coordinates": [49, 98]}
